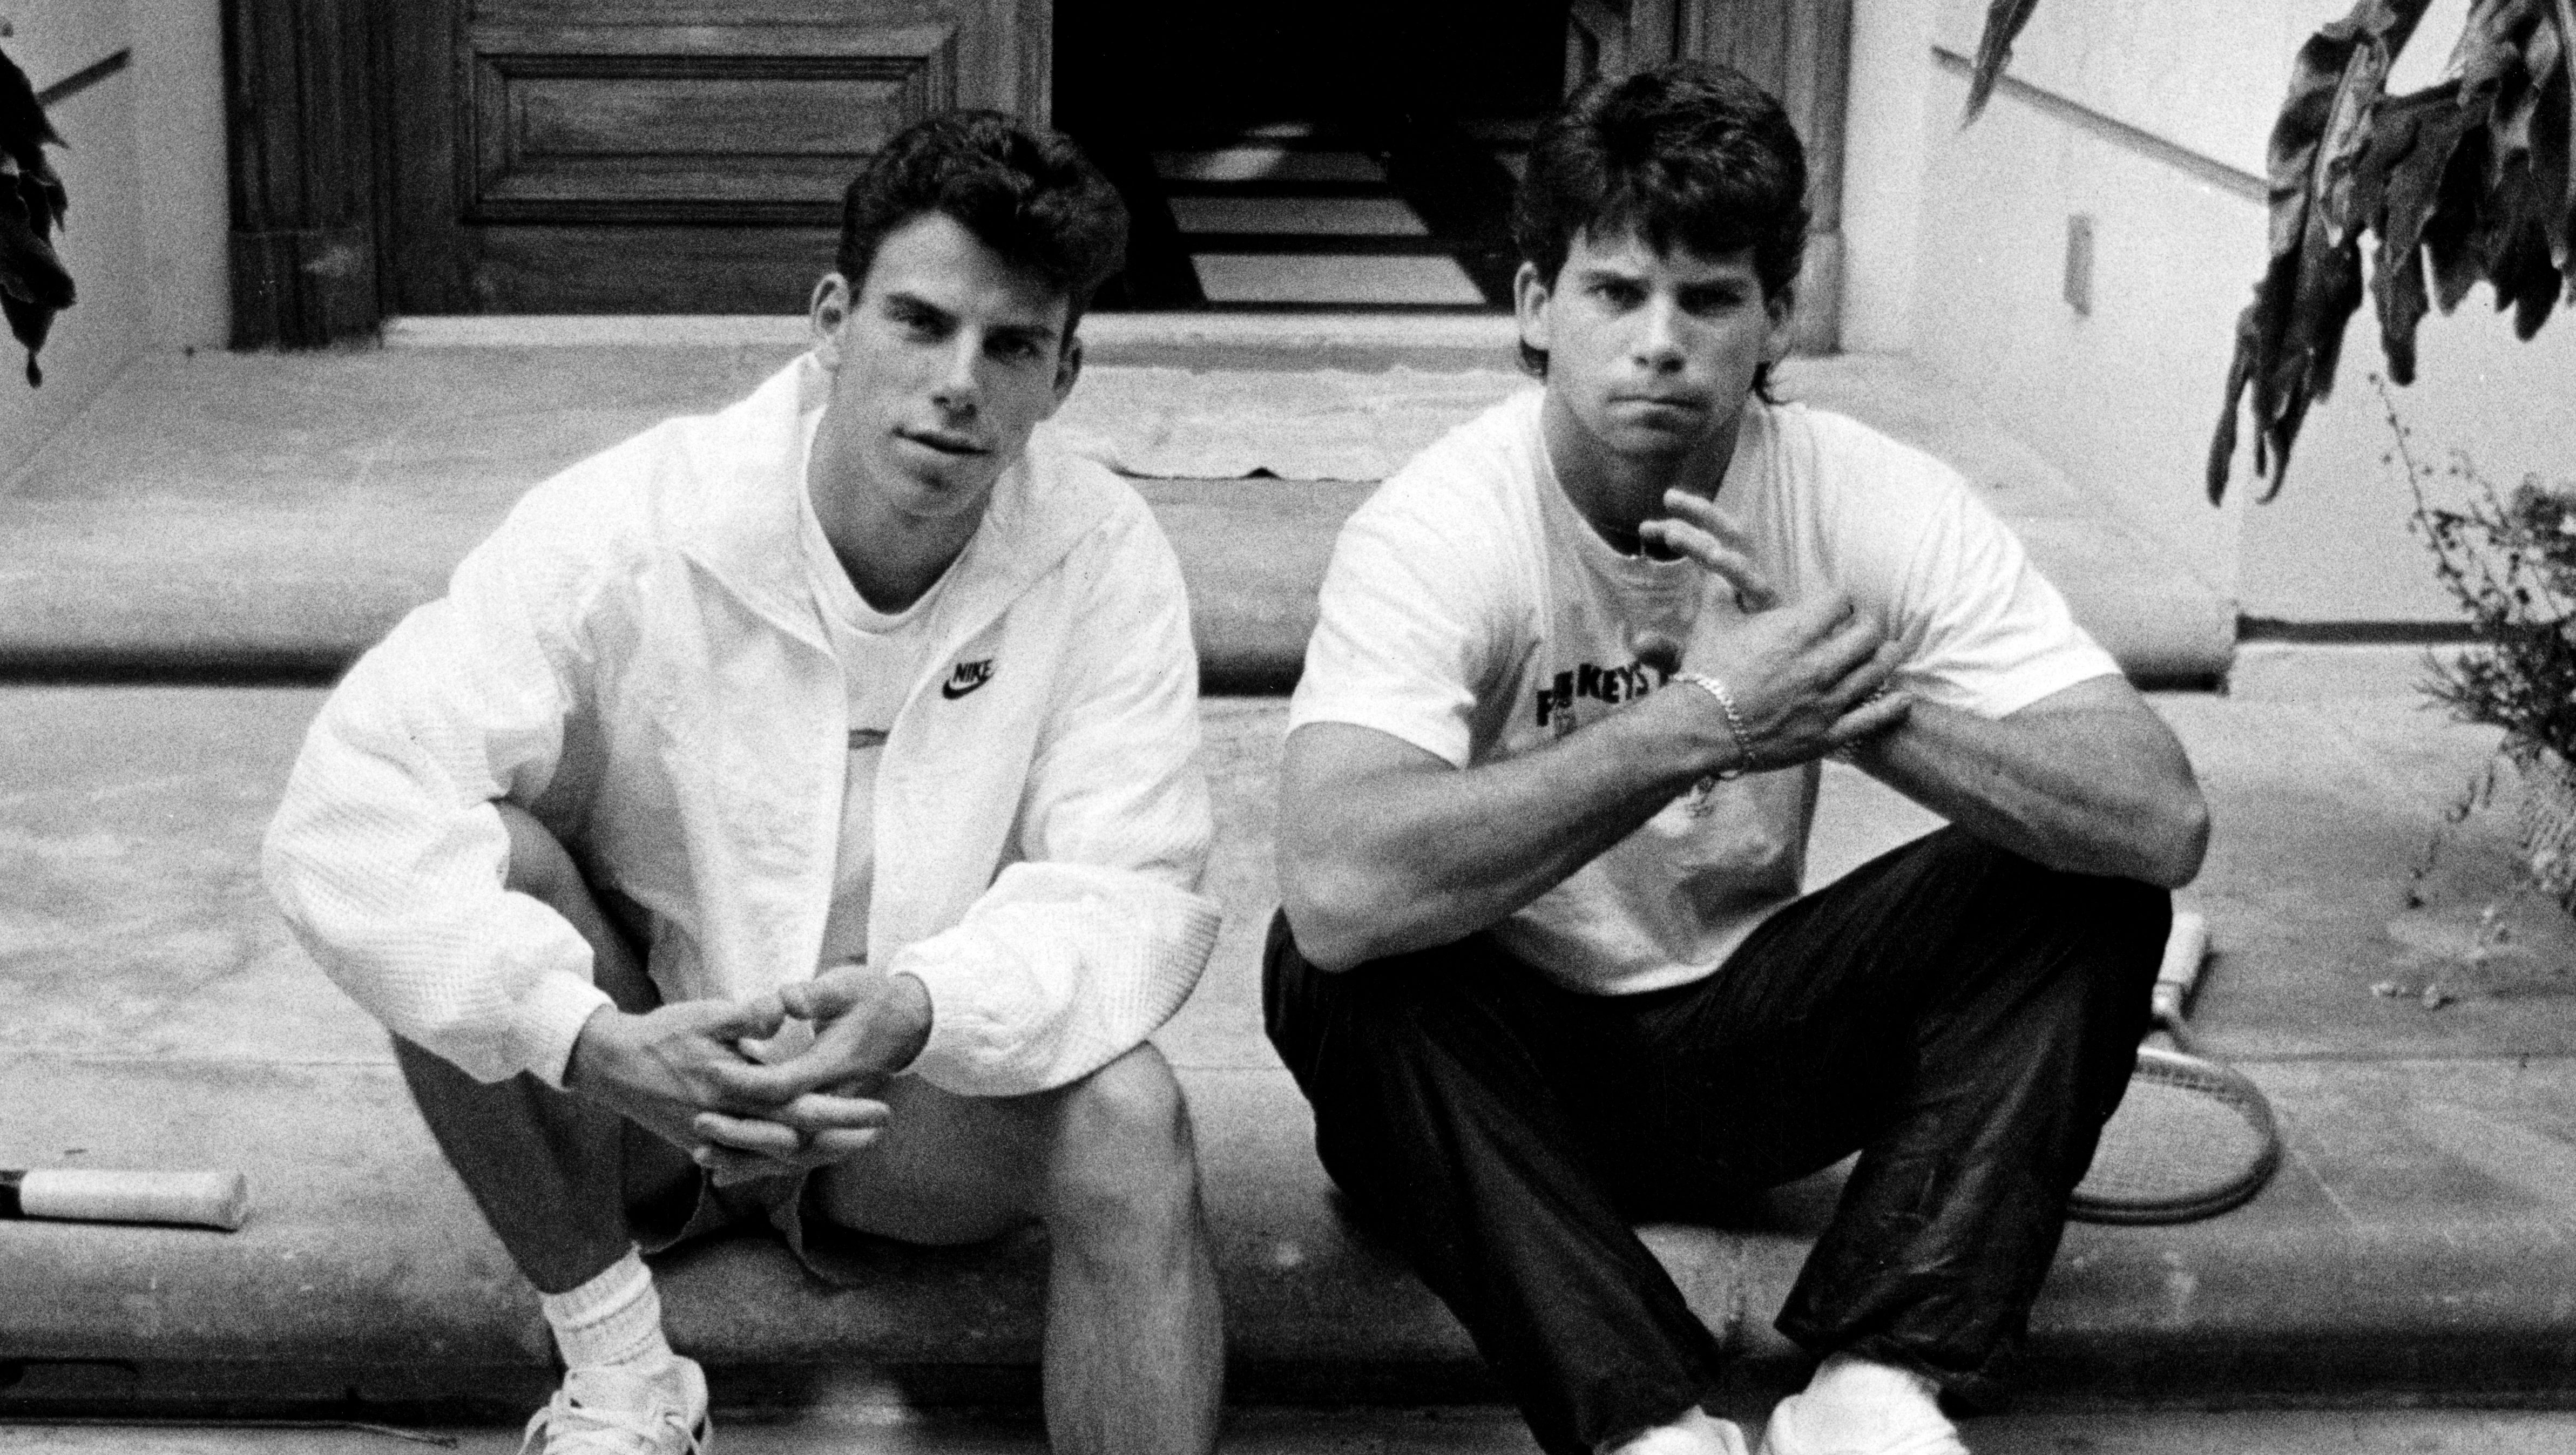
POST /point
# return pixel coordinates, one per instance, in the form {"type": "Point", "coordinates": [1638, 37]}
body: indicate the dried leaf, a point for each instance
{"type": "Point", "coordinates": [2456, 235]}
{"type": "Point", "coordinates": [2558, 158]}
{"type": "Point", "coordinates": [2416, 136]}
{"type": "Point", "coordinates": [2004, 20]}
{"type": "Point", "coordinates": [2240, 372]}
{"type": "Point", "coordinates": [2313, 285]}
{"type": "Point", "coordinates": [34, 285]}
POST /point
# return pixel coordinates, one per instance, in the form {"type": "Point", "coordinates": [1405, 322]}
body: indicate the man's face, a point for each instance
{"type": "Point", "coordinates": [1653, 354]}
{"type": "Point", "coordinates": [941, 366]}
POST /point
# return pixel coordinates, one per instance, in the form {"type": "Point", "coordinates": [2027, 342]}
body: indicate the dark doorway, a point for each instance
{"type": "Point", "coordinates": [1338, 154]}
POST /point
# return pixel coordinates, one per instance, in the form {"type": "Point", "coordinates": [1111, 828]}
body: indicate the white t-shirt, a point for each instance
{"type": "Point", "coordinates": [1470, 611]}
{"type": "Point", "coordinates": [880, 657]}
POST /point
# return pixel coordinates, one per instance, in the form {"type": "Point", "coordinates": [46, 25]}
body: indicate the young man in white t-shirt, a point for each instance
{"type": "Point", "coordinates": [793, 817]}
{"type": "Point", "coordinates": [1543, 968]}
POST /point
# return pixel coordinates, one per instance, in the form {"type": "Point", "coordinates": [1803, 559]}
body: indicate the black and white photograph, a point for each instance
{"type": "Point", "coordinates": [1369, 727]}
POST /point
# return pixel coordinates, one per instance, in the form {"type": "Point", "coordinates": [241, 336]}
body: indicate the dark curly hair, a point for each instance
{"type": "Point", "coordinates": [1027, 193]}
{"type": "Point", "coordinates": [1688, 154]}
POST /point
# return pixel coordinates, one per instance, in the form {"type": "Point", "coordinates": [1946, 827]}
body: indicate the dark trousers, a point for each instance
{"type": "Point", "coordinates": [1963, 1018]}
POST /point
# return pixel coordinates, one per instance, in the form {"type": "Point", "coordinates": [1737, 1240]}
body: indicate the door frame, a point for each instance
{"type": "Point", "coordinates": [308, 147]}
{"type": "Point", "coordinates": [316, 240]}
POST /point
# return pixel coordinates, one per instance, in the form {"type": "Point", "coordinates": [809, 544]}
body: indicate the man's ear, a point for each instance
{"type": "Point", "coordinates": [1529, 305]}
{"type": "Point", "coordinates": [1783, 310]}
{"type": "Point", "coordinates": [1068, 368]}
{"type": "Point", "coordinates": [825, 312]}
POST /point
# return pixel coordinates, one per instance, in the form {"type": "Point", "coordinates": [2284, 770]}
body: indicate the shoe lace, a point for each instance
{"type": "Point", "coordinates": [565, 1428]}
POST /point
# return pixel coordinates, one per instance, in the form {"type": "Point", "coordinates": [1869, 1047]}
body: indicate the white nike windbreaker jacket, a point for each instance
{"type": "Point", "coordinates": [636, 657]}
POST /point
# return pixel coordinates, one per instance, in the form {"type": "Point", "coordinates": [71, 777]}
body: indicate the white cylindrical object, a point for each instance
{"type": "Point", "coordinates": [2186, 947]}
{"type": "Point", "coordinates": [200, 1199]}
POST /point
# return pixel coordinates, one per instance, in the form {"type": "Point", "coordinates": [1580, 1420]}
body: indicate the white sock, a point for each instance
{"type": "Point", "coordinates": [1861, 1404]}
{"type": "Point", "coordinates": [1697, 1432]}
{"type": "Point", "coordinates": [614, 1319]}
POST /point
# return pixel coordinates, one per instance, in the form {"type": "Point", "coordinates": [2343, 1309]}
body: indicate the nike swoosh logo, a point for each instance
{"type": "Point", "coordinates": [966, 677]}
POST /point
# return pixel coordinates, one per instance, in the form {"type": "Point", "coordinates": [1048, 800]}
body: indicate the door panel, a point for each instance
{"type": "Point", "coordinates": [654, 156]}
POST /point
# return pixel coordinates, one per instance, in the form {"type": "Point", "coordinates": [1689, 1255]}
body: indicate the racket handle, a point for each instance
{"type": "Point", "coordinates": [198, 1199]}
{"type": "Point", "coordinates": [2186, 946]}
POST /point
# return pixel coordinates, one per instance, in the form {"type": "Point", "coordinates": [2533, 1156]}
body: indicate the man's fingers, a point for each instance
{"type": "Point", "coordinates": [1753, 590]}
{"type": "Point", "coordinates": [831, 992]}
{"type": "Point", "coordinates": [741, 1150]}
{"type": "Point", "coordinates": [1847, 643]}
{"type": "Point", "coordinates": [1866, 672]}
{"type": "Point", "coordinates": [748, 1085]}
{"type": "Point", "coordinates": [822, 1112]}
{"type": "Point", "coordinates": [1874, 716]}
{"type": "Point", "coordinates": [1706, 515]}
{"type": "Point", "coordinates": [841, 1145]}
{"type": "Point", "coordinates": [756, 1135]}
{"type": "Point", "coordinates": [750, 1020]}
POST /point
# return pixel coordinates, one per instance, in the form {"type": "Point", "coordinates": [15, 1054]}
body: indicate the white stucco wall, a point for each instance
{"type": "Point", "coordinates": [1958, 241]}
{"type": "Point", "coordinates": [143, 166]}
{"type": "Point", "coordinates": [101, 242]}
{"type": "Point", "coordinates": [181, 166]}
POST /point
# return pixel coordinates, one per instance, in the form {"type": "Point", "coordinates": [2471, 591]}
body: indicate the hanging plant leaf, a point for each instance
{"type": "Point", "coordinates": [2468, 181]}
{"type": "Point", "coordinates": [34, 285]}
{"type": "Point", "coordinates": [2004, 20]}
{"type": "Point", "coordinates": [2416, 137]}
{"type": "Point", "coordinates": [2291, 335]}
{"type": "Point", "coordinates": [2555, 145]}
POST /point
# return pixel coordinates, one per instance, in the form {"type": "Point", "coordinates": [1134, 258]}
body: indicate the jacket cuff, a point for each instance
{"type": "Point", "coordinates": [550, 1021]}
{"type": "Point", "coordinates": [951, 996]}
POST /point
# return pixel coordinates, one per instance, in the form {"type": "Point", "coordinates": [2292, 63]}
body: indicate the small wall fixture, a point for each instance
{"type": "Point", "coordinates": [2079, 262]}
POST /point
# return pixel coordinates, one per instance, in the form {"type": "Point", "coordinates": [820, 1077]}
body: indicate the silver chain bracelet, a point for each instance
{"type": "Point", "coordinates": [1734, 722]}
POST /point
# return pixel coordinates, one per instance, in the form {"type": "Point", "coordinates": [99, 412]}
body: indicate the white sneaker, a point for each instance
{"type": "Point", "coordinates": [1695, 1431]}
{"type": "Point", "coordinates": [616, 1413]}
{"type": "Point", "coordinates": [1783, 1436]}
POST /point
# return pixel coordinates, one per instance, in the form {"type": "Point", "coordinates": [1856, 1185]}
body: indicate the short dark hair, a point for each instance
{"type": "Point", "coordinates": [1026, 192]}
{"type": "Point", "coordinates": [1688, 154]}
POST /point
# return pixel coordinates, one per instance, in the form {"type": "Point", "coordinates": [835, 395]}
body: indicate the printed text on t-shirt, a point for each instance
{"type": "Point", "coordinates": [1617, 684]}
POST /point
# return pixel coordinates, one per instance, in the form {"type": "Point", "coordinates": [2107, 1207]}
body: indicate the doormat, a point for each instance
{"type": "Point", "coordinates": [1224, 425]}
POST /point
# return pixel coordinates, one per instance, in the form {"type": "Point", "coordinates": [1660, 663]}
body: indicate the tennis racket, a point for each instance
{"type": "Point", "coordinates": [2193, 1137]}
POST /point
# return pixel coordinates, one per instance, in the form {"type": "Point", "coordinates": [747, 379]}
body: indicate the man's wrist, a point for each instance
{"type": "Point", "coordinates": [907, 1015]}
{"type": "Point", "coordinates": [1736, 733]}
{"type": "Point", "coordinates": [1852, 750]}
{"type": "Point", "coordinates": [594, 1050]}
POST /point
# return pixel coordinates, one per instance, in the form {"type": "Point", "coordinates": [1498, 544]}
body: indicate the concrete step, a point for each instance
{"type": "Point", "coordinates": [276, 514]}
{"type": "Point", "coordinates": [2417, 1243]}
{"type": "Point", "coordinates": [1436, 1430]}
{"type": "Point", "coordinates": [2395, 1257]}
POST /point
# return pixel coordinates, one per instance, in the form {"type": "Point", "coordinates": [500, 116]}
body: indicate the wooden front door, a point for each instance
{"type": "Point", "coordinates": [661, 156]}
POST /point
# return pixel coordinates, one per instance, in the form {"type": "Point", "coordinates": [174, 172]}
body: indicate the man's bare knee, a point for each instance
{"type": "Point", "coordinates": [543, 869]}
{"type": "Point", "coordinates": [540, 867]}
{"type": "Point", "coordinates": [1123, 1157]}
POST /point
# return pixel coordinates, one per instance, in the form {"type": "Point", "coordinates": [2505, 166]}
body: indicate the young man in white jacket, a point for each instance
{"type": "Point", "coordinates": [793, 814]}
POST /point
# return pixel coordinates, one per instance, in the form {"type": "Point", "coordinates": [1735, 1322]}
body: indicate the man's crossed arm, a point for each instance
{"type": "Point", "coordinates": [1385, 848]}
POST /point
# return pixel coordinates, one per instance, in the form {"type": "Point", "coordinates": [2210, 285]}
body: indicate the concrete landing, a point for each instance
{"type": "Point", "coordinates": [276, 514]}
{"type": "Point", "coordinates": [2420, 1239]}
